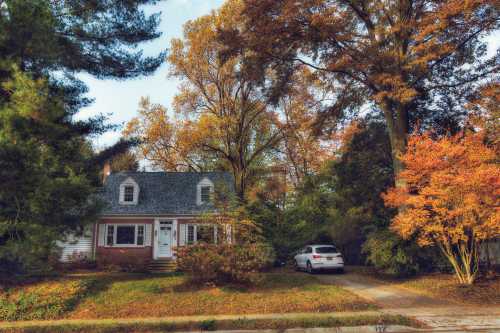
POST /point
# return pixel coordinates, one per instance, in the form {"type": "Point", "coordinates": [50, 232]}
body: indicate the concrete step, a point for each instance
{"type": "Point", "coordinates": [162, 266]}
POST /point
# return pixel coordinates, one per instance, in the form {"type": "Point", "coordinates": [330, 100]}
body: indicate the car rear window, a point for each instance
{"type": "Point", "coordinates": [326, 249]}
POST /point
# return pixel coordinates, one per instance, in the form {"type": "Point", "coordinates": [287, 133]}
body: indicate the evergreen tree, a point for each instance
{"type": "Point", "coordinates": [48, 170]}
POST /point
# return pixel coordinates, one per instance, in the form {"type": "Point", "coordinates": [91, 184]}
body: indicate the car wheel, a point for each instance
{"type": "Point", "coordinates": [309, 268]}
{"type": "Point", "coordinates": [296, 265]}
{"type": "Point", "coordinates": [340, 271]}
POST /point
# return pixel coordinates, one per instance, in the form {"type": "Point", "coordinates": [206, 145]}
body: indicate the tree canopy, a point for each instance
{"type": "Point", "coordinates": [415, 61]}
{"type": "Point", "coordinates": [451, 197]}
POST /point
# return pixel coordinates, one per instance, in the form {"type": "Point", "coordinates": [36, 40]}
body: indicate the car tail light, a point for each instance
{"type": "Point", "coordinates": [315, 256]}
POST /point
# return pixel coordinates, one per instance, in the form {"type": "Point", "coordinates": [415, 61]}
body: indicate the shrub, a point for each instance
{"type": "Point", "coordinates": [390, 254]}
{"type": "Point", "coordinates": [208, 325]}
{"type": "Point", "coordinates": [224, 263]}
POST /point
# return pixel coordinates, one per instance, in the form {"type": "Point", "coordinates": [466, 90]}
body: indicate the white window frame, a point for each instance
{"type": "Point", "coordinates": [115, 229]}
{"type": "Point", "coordinates": [205, 182]}
{"type": "Point", "coordinates": [195, 235]}
{"type": "Point", "coordinates": [129, 182]}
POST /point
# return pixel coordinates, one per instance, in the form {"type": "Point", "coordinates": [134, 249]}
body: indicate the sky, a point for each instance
{"type": "Point", "coordinates": [120, 99]}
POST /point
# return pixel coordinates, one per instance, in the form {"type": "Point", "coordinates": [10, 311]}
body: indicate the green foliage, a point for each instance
{"type": "Point", "coordinates": [283, 234]}
{"type": "Point", "coordinates": [208, 325]}
{"type": "Point", "coordinates": [392, 255]}
{"type": "Point", "coordinates": [356, 181]}
{"type": "Point", "coordinates": [224, 263]}
{"type": "Point", "coordinates": [45, 186]}
{"type": "Point", "coordinates": [48, 170]}
{"type": "Point", "coordinates": [342, 204]}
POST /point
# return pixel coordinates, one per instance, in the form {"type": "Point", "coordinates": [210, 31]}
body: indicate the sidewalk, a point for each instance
{"type": "Point", "coordinates": [434, 313]}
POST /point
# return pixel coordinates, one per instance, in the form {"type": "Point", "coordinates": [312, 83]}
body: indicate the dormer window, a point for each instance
{"type": "Point", "coordinates": [205, 194]}
{"type": "Point", "coordinates": [129, 192]}
{"type": "Point", "coordinates": [204, 191]}
{"type": "Point", "coordinates": [128, 196]}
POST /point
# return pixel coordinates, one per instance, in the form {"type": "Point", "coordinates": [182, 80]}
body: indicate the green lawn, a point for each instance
{"type": "Point", "coordinates": [138, 295]}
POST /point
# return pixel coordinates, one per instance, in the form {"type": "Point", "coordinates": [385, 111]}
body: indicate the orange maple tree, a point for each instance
{"type": "Point", "coordinates": [451, 197]}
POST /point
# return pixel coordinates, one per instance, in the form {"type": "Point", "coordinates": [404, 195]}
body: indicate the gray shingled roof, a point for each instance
{"type": "Point", "coordinates": [161, 193]}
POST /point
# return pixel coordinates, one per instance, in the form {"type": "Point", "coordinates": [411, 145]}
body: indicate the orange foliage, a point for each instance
{"type": "Point", "coordinates": [399, 56]}
{"type": "Point", "coordinates": [450, 198]}
{"type": "Point", "coordinates": [305, 151]}
{"type": "Point", "coordinates": [162, 140]}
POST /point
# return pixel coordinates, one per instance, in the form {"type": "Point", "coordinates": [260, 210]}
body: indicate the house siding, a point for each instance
{"type": "Point", "coordinates": [137, 257]}
{"type": "Point", "coordinates": [76, 248]}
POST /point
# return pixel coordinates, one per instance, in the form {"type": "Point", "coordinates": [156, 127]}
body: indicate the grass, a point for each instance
{"type": "Point", "coordinates": [109, 326]}
{"type": "Point", "coordinates": [443, 286]}
{"type": "Point", "coordinates": [140, 295]}
{"type": "Point", "coordinates": [49, 299]}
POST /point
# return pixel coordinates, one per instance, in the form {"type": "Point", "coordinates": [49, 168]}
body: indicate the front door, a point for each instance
{"type": "Point", "coordinates": [165, 239]}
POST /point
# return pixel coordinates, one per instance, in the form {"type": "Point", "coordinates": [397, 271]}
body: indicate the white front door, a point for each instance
{"type": "Point", "coordinates": [165, 239]}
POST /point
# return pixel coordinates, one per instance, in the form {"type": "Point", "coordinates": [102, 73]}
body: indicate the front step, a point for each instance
{"type": "Point", "coordinates": [162, 266]}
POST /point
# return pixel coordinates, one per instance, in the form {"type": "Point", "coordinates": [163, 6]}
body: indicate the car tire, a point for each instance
{"type": "Point", "coordinates": [309, 268]}
{"type": "Point", "coordinates": [296, 265]}
{"type": "Point", "coordinates": [340, 271]}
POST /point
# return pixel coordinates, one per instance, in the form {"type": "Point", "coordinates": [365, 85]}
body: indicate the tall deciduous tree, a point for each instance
{"type": "Point", "coordinates": [224, 117]}
{"type": "Point", "coordinates": [451, 197]}
{"type": "Point", "coordinates": [161, 140]}
{"type": "Point", "coordinates": [48, 170]}
{"type": "Point", "coordinates": [413, 60]}
{"type": "Point", "coordinates": [304, 151]}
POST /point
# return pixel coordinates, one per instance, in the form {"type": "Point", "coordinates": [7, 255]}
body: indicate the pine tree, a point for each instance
{"type": "Point", "coordinates": [48, 169]}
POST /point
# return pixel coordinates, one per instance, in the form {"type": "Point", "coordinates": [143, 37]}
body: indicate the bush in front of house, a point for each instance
{"type": "Point", "coordinates": [224, 263]}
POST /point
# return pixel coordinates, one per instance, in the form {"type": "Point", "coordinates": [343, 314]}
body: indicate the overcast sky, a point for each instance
{"type": "Point", "coordinates": [121, 98]}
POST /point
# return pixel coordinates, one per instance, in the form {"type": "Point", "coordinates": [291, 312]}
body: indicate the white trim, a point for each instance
{"type": "Point", "coordinates": [205, 182]}
{"type": "Point", "coordinates": [174, 237]}
{"type": "Point", "coordinates": [150, 217]}
{"type": "Point", "coordinates": [155, 238]}
{"type": "Point", "coordinates": [126, 183]}
{"type": "Point", "coordinates": [115, 227]}
{"type": "Point", "coordinates": [195, 232]}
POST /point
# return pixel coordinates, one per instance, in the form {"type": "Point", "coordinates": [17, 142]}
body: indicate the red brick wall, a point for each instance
{"type": "Point", "coordinates": [132, 257]}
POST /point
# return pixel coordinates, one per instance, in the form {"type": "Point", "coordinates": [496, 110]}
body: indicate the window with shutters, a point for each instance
{"type": "Point", "coordinates": [190, 234]}
{"type": "Point", "coordinates": [110, 235]}
{"type": "Point", "coordinates": [125, 235]}
{"type": "Point", "coordinates": [202, 233]}
{"type": "Point", "coordinates": [140, 235]}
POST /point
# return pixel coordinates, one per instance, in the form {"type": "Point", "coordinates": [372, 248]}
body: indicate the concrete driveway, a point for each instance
{"type": "Point", "coordinates": [436, 313]}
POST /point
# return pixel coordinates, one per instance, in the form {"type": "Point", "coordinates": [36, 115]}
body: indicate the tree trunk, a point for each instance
{"type": "Point", "coordinates": [463, 257]}
{"type": "Point", "coordinates": [396, 116]}
{"type": "Point", "coordinates": [239, 182]}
